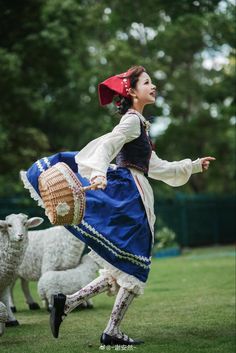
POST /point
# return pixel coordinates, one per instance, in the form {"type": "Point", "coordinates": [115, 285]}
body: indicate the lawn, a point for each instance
{"type": "Point", "coordinates": [188, 307]}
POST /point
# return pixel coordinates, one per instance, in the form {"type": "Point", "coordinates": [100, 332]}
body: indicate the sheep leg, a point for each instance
{"type": "Point", "coordinates": [3, 317]}
{"type": "Point", "coordinates": [5, 299]}
{"type": "Point", "coordinates": [89, 303]}
{"type": "Point", "coordinates": [47, 305]}
{"type": "Point", "coordinates": [11, 298]}
{"type": "Point", "coordinates": [29, 299]}
{"type": "Point", "coordinates": [2, 328]}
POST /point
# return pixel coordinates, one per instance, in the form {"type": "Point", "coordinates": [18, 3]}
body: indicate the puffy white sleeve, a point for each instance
{"type": "Point", "coordinates": [95, 157]}
{"type": "Point", "coordinates": [175, 173]}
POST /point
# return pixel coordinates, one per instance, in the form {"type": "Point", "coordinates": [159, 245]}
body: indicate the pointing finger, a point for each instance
{"type": "Point", "coordinates": [209, 158]}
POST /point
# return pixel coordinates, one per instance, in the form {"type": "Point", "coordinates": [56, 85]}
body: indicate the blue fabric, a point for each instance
{"type": "Point", "coordinates": [115, 224]}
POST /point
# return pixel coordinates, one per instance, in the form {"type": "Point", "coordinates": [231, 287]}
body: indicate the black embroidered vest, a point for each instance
{"type": "Point", "coordinates": [137, 153]}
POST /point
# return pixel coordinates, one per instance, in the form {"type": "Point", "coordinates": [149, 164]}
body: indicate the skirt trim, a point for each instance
{"type": "Point", "coordinates": [136, 259]}
{"type": "Point", "coordinates": [125, 253]}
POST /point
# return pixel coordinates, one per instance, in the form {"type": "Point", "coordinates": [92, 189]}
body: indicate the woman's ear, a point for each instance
{"type": "Point", "coordinates": [132, 93]}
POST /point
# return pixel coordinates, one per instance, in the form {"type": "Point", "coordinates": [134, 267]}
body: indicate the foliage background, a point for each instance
{"type": "Point", "coordinates": [54, 53]}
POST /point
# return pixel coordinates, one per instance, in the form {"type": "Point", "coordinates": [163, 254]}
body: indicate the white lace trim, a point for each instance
{"type": "Point", "coordinates": [33, 193]}
{"type": "Point", "coordinates": [111, 250]}
{"type": "Point", "coordinates": [27, 185]}
{"type": "Point", "coordinates": [94, 231]}
{"type": "Point", "coordinates": [121, 278]}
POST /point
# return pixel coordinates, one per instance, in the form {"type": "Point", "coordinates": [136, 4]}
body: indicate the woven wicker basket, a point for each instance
{"type": "Point", "coordinates": [62, 194]}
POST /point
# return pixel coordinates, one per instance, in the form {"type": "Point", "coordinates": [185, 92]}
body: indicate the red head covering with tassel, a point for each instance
{"type": "Point", "coordinates": [113, 86]}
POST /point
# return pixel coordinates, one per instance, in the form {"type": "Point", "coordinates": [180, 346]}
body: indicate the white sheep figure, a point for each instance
{"type": "Point", "coordinates": [68, 281]}
{"type": "Point", "coordinates": [13, 243]}
{"type": "Point", "coordinates": [50, 249]}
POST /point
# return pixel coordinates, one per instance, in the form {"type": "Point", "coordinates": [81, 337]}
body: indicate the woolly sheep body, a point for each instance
{"type": "Point", "coordinates": [50, 249]}
{"type": "Point", "coordinates": [68, 281]}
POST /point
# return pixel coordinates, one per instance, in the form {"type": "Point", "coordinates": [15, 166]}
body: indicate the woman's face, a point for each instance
{"type": "Point", "coordinates": [145, 90]}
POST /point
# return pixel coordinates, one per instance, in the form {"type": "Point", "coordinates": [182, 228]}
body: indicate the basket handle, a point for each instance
{"type": "Point", "coordinates": [89, 187]}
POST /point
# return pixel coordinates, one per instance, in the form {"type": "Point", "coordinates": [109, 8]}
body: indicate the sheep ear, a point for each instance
{"type": "Point", "coordinates": [34, 222]}
{"type": "Point", "coordinates": [3, 225]}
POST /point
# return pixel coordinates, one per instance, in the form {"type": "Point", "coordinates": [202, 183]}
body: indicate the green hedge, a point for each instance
{"type": "Point", "coordinates": [198, 219]}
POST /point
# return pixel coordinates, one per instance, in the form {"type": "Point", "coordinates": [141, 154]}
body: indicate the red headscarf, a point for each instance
{"type": "Point", "coordinates": [115, 85]}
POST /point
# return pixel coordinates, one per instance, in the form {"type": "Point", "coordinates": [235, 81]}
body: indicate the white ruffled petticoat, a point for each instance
{"type": "Point", "coordinates": [117, 278]}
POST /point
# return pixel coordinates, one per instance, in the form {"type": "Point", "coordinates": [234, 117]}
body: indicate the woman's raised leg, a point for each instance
{"type": "Point", "coordinates": [64, 304]}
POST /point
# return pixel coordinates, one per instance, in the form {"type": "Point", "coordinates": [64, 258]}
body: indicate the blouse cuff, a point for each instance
{"type": "Point", "coordinates": [95, 173]}
{"type": "Point", "coordinates": [197, 166]}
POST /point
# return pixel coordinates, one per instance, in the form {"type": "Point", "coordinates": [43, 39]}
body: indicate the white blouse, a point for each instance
{"type": "Point", "coordinates": [95, 158]}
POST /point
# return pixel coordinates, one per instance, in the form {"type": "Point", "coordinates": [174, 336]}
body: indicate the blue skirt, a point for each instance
{"type": "Point", "coordinates": [115, 223]}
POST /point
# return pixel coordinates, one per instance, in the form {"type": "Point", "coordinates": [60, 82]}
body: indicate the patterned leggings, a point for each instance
{"type": "Point", "coordinates": [99, 285]}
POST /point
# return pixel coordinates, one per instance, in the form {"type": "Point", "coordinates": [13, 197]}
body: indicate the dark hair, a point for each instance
{"type": "Point", "coordinates": [124, 103]}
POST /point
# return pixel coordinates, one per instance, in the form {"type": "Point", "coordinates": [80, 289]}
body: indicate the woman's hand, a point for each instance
{"type": "Point", "coordinates": [205, 161]}
{"type": "Point", "coordinates": [99, 181]}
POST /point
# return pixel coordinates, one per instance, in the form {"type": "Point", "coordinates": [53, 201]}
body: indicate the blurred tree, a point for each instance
{"type": "Point", "coordinates": [54, 53]}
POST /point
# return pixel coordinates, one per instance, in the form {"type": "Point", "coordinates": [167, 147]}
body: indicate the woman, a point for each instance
{"type": "Point", "coordinates": [119, 221]}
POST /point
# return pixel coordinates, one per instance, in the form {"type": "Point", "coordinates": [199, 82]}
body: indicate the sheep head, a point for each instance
{"type": "Point", "coordinates": [16, 226]}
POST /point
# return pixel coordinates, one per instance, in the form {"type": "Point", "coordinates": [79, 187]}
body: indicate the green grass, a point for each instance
{"type": "Point", "coordinates": [188, 307]}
